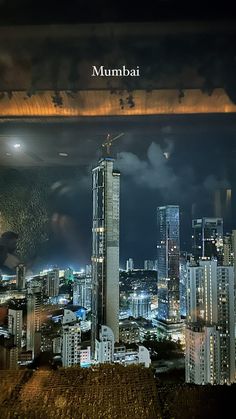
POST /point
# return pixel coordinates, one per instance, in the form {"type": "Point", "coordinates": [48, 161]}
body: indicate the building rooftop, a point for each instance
{"type": "Point", "coordinates": [97, 392]}
{"type": "Point", "coordinates": [107, 391]}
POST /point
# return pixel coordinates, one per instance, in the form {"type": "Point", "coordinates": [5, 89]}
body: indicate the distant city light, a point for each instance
{"type": "Point", "coordinates": [6, 277]}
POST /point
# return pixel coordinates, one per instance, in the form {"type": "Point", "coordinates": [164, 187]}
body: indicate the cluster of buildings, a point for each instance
{"type": "Point", "coordinates": [195, 296]}
{"type": "Point", "coordinates": [105, 346]}
{"type": "Point", "coordinates": [35, 316]}
{"type": "Point", "coordinates": [195, 291]}
{"type": "Point", "coordinates": [210, 306]}
{"type": "Point", "coordinates": [200, 285]}
{"type": "Point", "coordinates": [35, 329]}
{"type": "Point", "coordinates": [148, 265]}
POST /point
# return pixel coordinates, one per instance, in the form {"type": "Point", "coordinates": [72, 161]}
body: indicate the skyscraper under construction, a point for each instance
{"type": "Point", "coordinates": [105, 249]}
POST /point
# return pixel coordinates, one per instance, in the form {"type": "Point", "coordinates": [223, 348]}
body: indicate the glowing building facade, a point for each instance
{"type": "Point", "coordinates": [15, 325]}
{"type": "Point", "coordinates": [148, 265]}
{"type": "Point", "coordinates": [82, 292]}
{"type": "Point", "coordinates": [207, 238]}
{"type": "Point", "coordinates": [202, 363]}
{"type": "Point", "coordinates": [129, 265]}
{"type": "Point", "coordinates": [168, 255]}
{"type": "Point", "coordinates": [104, 351]}
{"type": "Point", "coordinates": [52, 283]}
{"type": "Point", "coordinates": [71, 339]}
{"type": "Point", "coordinates": [34, 319]}
{"type": "Point", "coordinates": [105, 251]}
{"type": "Point", "coordinates": [210, 303]}
{"type": "Point", "coordinates": [140, 305]}
{"type": "Point", "coordinates": [20, 276]}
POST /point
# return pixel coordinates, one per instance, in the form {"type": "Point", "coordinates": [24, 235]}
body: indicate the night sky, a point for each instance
{"type": "Point", "coordinates": [163, 160]}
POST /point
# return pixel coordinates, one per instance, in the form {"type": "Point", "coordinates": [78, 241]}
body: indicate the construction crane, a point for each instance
{"type": "Point", "coordinates": [109, 141]}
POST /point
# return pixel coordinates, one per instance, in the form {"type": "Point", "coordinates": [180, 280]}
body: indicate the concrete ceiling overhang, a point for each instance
{"type": "Point", "coordinates": [185, 67]}
{"type": "Point", "coordinates": [86, 103]}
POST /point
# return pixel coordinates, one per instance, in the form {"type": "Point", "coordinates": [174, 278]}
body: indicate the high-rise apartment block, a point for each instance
{"type": "Point", "coordinates": [71, 339]}
{"type": "Point", "coordinates": [20, 276]}
{"type": "Point", "coordinates": [207, 238]}
{"type": "Point", "coordinates": [229, 249]}
{"type": "Point", "coordinates": [202, 354]}
{"type": "Point", "coordinates": [140, 305]}
{"type": "Point", "coordinates": [210, 303]}
{"type": "Point", "coordinates": [105, 346]}
{"type": "Point", "coordinates": [82, 289]}
{"type": "Point", "coordinates": [34, 319]}
{"type": "Point", "coordinates": [148, 265]}
{"type": "Point", "coordinates": [15, 325]}
{"type": "Point", "coordinates": [168, 255]}
{"type": "Point", "coordinates": [9, 353]}
{"type": "Point", "coordinates": [129, 265]}
{"type": "Point", "coordinates": [52, 283]}
{"type": "Point", "coordinates": [105, 249]}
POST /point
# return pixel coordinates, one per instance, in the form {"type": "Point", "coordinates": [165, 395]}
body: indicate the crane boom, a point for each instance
{"type": "Point", "coordinates": [108, 143]}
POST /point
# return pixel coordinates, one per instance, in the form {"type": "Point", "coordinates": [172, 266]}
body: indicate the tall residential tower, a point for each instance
{"type": "Point", "coordinates": [207, 238]}
{"type": "Point", "coordinates": [168, 254]}
{"type": "Point", "coordinates": [105, 252]}
{"type": "Point", "coordinates": [210, 318]}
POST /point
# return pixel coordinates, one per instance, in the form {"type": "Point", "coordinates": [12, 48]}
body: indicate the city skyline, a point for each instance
{"type": "Point", "coordinates": [123, 316]}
